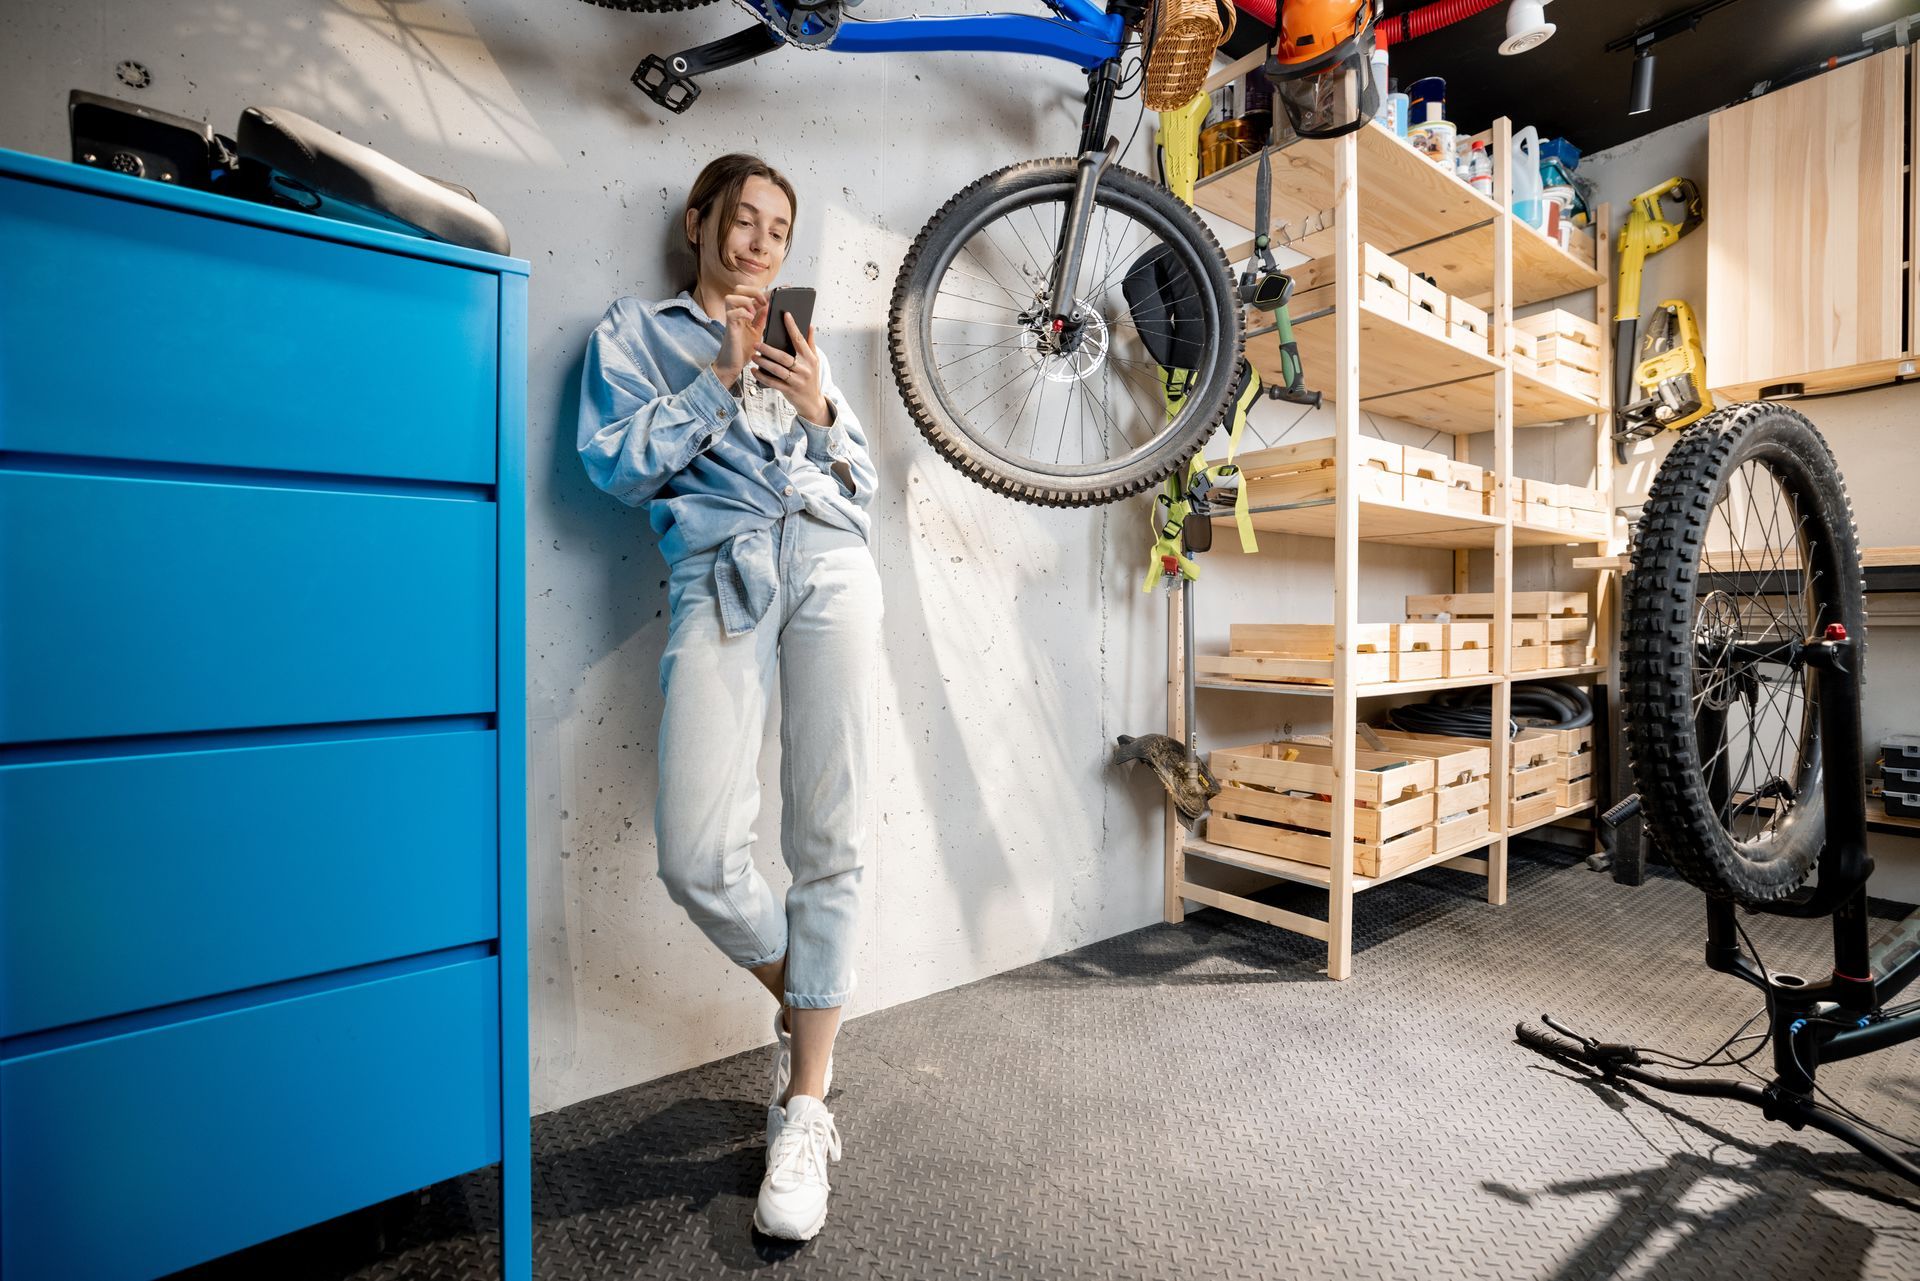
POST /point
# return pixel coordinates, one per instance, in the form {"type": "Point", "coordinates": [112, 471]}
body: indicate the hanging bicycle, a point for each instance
{"type": "Point", "coordinates": [1035, 316]}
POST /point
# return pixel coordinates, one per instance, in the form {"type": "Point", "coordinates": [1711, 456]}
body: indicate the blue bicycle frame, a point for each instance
{"type": "Point", "coordinates": [1077, 31]}
{"type": "Point", "coordinates": [1084, 34]}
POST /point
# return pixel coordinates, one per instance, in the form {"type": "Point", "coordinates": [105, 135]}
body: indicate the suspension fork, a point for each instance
{"type": "Point", "coordinates": [1094, 159]}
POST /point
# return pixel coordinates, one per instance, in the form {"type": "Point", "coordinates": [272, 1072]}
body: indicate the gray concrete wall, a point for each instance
{"type": "Point", "coordinates": [1017, 643]}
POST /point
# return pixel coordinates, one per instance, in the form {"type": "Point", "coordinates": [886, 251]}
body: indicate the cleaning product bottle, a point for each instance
{"type": "Point", "coordinates": [1380, 76]}
{"type": "Point", "coordinates": [1480, 169]}
{"type": "Point", "coordinates": [1528, 206]}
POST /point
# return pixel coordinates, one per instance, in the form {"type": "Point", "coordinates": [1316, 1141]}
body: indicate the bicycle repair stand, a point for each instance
{"type": "Point", "coordinates": [1808, 1023]}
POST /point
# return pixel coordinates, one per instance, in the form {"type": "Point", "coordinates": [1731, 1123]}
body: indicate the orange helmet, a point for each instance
{"type": "Point", "coordinates": [1316, 43]}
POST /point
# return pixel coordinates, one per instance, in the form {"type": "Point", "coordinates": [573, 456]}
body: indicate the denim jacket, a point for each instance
{"type": "Point", "coordinates": [656, 427]}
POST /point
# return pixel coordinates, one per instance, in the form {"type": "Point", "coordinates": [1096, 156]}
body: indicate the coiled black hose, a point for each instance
{"type": "Point", "coordinates": [1469, 713]}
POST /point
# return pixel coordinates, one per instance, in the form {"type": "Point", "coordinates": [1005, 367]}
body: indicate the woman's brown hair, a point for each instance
{"type": "Point", "coordinates": [718, 189]}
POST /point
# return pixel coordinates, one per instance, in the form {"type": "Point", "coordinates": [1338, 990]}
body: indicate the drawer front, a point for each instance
{"type": "Point", "coordinates": [139, 881]}
{"type": "Point", "coordinates": [142, 1154]}
{"type": "Point", "coordinates": [133, 332]}
{"type": "Point", "coordinates": [138, 606]}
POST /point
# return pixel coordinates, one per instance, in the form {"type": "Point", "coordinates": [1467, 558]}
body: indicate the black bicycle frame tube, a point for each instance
{"type": "Point", "coordinates": [1095, 156]}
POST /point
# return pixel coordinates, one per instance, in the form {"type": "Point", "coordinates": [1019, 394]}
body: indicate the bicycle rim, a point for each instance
{"type": "Point", "coordinates": [1021, 396]}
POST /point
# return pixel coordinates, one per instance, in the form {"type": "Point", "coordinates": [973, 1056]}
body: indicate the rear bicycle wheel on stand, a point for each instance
{"type": "Point", "coordinates": [1106, 405]}
{"type": "Point", "coordinates": [1745, 551]}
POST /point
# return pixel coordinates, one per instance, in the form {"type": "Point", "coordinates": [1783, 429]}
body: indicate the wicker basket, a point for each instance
{"type": "Point", "coordinates": [1185, 34]}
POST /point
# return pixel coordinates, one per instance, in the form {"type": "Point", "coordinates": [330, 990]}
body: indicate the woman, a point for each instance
{"type": "Point", "coordinates": [757, 479]}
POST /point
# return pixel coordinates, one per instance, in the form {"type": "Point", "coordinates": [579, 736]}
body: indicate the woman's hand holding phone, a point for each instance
{"type": "Point", "coordinates": [746, 316]}
{"type": "Point", "coordinates": [796, 376]}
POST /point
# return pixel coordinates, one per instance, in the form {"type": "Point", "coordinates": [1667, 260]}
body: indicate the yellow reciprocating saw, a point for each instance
{"type": "Point", "coordinates": [1671, 378]}
{"type": "Point", "coordinates": [1646, 232]}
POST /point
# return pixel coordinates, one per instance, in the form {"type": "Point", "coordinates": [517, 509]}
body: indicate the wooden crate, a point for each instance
{"type": "Point", "coordinates": [1425, 321]}
{"type": "Point", "coordinates": [1571, 769]}
{"type": "Point", "coordinates": [1462, 787]}
{"type": "Point", "coordinates": [1564, 351]}
{"type": "Point", "coordinates": [1480, 604]}
{"type": "Point", "coordinates": [1570, 654]}
{"type": "Point", "coordinates": [1467, 662]}
{"type": "Point", "coordinates": [1578, 792]}
{"type": "Point", "coordinates": [1564, 742]}
{"type": "Point", "coordinates": [1455, 760]}
{"type": "Point", "coordinates": [1467, 635]}
{"type": "Point", "coordinates": [1559, 323]}
{"type": "Point", "coordinates": [1436, 481]}
{"type": "Point", "coordinates": [1292, 669]}
{"type": "Point", "coordinates": [1534, 747]}
{"type": "Point", "coordinates": [1575, 382]}
{"type": "Point", "coordinates": [1427, 296]}
{"type": "Point", "coordinates": [1467, 339]}
{"type": "Point", "coordinates": [1305, 472]}
{"type": "Point", "coordinates": [1524, 810]}
{"type": "Point", "coordinates": [1281, 807]}
{"type": "Point", "coordinates": [1378, 295]}
{"type": "Point", "coordinates": [1378, 264]}
{"type": "Point", "coordinates": [1522, 344]}
{"type": "Point", "coordinates": [1379, 777]}
{"type": "Point", "coordinates": [1462, 314]}
{"type": "Point", "coordinates": [1461, 797]}
{"type": "Point", "coordinates": [1462, 831]}
{"type": "Point", "coordinates": [1302, 653]}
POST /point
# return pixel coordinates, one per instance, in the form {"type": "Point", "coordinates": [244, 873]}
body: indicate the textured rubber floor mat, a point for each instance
{"type": "Point", "coordinates": [1196, 1101]}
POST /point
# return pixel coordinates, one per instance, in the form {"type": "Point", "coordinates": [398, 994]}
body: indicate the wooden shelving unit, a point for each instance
{"type": "Point", "coordinates": [1367, 360]}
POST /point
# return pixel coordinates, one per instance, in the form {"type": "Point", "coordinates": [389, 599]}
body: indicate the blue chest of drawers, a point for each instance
{"type": "Point", "coordinates": [262, 739]}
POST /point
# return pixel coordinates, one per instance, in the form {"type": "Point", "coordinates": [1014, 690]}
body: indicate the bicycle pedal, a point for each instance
{"type": "Point", "coordinates": [656, 78]}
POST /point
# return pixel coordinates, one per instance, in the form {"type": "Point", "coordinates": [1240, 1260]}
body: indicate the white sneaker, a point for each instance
{"type": "Point", "coordinates": [793, 1196]}
{"type": "Point", "coordinates": [783, 1075]}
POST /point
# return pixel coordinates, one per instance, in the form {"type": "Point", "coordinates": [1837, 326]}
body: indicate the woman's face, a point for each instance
{"type": "Point", "coordinates": [756, 243]}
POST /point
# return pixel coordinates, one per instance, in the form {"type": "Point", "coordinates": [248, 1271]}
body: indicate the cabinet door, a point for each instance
{"type": "Point", "coordinates": [1805, 238]}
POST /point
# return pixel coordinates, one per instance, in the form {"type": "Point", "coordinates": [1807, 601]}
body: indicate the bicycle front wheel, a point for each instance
{"type": "Point", "coordinates": [1106, 404]}
{"type": "Point", "coordinates": [1745, 550]}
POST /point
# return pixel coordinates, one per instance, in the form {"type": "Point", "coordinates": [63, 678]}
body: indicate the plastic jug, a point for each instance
{"type": "Point", "coordinates": [1528, 204]}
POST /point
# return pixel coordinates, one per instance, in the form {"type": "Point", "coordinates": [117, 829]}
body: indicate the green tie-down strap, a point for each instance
{"type": "Point", "coordinates": [1174, 503]}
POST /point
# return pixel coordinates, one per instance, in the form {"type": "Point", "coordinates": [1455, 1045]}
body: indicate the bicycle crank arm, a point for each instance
{"type": "Point", "coordinates": [670, 81]}
{"type": "Point", "coordinates": [1073, 231]}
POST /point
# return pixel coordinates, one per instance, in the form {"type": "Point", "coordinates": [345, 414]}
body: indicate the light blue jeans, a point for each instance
{"type": "Point", "coordinates": [820, 636]}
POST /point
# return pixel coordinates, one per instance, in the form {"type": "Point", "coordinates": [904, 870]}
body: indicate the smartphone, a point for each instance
{"type": "Point", "coordinates": [787, 300]}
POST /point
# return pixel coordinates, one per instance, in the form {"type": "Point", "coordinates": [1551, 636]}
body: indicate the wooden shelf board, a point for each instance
{"type": "Point", "coordinates": [1412, 208]}
{"type": "Point", "coordinates": [1385, 523]}
{"type": "Point", "coordinates": [1432, 860]}
{"type": "Point", "coordinates": [1877, 813]}
{"type": "Point", "coordinates": [1394, 357]}
{"type": "Point", "coordinates": [1526, 535]}
{"type": "Point", "coordinates": [1377, 689]}
{"type": "Point", "coordinates": [1465, 407]}
{"type": "Point", "coordinates": [1541, 269]}
{"type": "Point", "coordinates": [1868, 374]}
{"type": "Point", "coordinates": [1560, 673]}
{"type": "Point", "coordinates": [1284, 868]}
{"type": "Point", "coordinates": [1568, 812]}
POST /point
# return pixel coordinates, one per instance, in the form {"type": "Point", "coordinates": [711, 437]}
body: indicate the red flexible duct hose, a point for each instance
{"type": "Point", "coordinates": [1426, 18]}
{"type": "Point", "coordinates": [1431, 17]}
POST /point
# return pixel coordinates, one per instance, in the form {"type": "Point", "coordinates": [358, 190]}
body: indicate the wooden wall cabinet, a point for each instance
{"type": "Point", "coordinates": [1806, 234]}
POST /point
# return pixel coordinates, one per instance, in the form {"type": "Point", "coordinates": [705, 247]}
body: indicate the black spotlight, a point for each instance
{"type": "Point", "coordinates": [1640, 95]}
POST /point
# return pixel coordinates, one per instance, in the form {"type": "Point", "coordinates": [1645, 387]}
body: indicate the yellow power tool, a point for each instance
{"type": "Point", "coordinates": [1646, 232]}
{"type": "Point", "coordinates": [1671, 376]}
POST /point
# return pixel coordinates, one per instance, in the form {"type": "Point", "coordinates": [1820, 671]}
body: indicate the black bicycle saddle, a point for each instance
{"type": "Point", "coordinates": [310, 167]}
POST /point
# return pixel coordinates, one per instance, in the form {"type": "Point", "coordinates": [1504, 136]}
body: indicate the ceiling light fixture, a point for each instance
{"type": "Point", "coordinates": [1642, 39]}
{"type": "Point", "coordinates": [1527, 26]}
